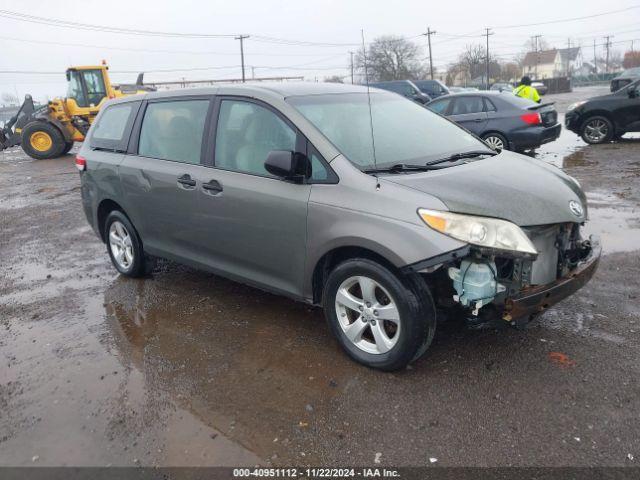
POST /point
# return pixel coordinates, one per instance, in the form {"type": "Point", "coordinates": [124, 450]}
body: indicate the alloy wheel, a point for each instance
{"type": "Point", "coordinates": [368, 315]}
{"type": "Point", "coordinates": [596, 130]}
{"type": "Point", "coordinates": [495, 142]}
{"type": "Point", "coordinates": [121, 245]}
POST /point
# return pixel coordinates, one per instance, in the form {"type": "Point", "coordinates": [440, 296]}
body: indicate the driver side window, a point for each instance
{"type": "Point", "coordinates": [246, 133]}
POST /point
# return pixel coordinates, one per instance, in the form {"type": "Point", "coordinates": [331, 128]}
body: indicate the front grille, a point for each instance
{"type": "Point", "coordinates": [557, 247]}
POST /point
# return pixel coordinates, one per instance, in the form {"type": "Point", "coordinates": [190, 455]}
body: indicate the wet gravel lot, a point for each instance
{"type": "Point", "coordinates": [186, 368]}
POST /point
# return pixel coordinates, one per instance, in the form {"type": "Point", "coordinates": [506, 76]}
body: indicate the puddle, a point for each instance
{"type": "Point", "coordinates": [615, 221]}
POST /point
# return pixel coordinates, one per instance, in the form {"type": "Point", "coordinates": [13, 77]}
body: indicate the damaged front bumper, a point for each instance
{"type": "Point", "coordinates": [538, 298]}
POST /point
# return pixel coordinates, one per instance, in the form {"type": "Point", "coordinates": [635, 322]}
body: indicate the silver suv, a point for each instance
{"type": "Point", "coordinates": [384, 213]}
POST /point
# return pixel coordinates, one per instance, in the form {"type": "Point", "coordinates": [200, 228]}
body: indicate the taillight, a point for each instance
{"type": "Point", "coordinates": [531, 118]}
{"type": "Point", "coordinates": [81, 163]}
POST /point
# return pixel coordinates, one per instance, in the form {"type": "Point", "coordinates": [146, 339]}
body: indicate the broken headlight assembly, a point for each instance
{"type": "Point", "coordinates": [483, 232]}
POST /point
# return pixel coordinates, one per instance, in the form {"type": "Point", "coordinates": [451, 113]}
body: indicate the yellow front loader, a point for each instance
{"type": "Point", "coordinates": [50, 130]}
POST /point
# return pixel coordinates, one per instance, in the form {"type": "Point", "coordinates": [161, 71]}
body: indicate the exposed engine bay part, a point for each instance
{"type": "Point", "coordinates": [491, 288]}
{"type": "Point", "coordinates": [476, 283]}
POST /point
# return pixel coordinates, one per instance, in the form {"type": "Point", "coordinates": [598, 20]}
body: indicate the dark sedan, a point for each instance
{"type": "Point", "coordinates": [503, 121]}
{"type": "Point", "coordinates": [608, 117]}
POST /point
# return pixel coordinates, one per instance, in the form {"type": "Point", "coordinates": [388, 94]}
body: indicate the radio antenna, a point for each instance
{"type": "Point", "coordinates": [366, 78]}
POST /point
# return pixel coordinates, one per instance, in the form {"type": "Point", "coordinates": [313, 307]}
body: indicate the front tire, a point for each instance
{"type": "Point", "coordinates": [42, 140]}
{"type": "Point", "coordinates": [596, 130]}
{"type": "Point", "coordinates": [124, 245]}
{"type": "Point", "coordinates": [379, 320]}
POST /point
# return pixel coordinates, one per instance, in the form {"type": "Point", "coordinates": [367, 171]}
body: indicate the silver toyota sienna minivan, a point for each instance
{"type": "Point", "coordinates": [387, 215]}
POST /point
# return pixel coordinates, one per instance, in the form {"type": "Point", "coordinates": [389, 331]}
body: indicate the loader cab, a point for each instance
{"type": "Point", "coordinates": [88, 86]}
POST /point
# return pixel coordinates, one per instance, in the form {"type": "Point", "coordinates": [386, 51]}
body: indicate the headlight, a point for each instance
{"type": "Point", "coordinates": [573, 106]}
{"type": "Point", "coordinates": [481, 231]}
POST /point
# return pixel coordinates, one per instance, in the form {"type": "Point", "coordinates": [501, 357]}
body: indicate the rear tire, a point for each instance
{"type": "Point", "coordinates": [596, 130]}
{"type": "Point", "coordinates": [124, 245]}
{"type": "Point", "coordinates": [396, 323]}
{"type": "Point", "coordinates": [496, 141]}
{"type": "Point", "coordinates": [42, 140]}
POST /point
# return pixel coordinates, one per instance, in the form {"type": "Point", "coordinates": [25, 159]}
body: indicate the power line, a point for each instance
{"type": "Point", "coordinates": [573, 19]}
{"type": "Point", "coordinates": [150, 50]}
{"type": "Point", "coordinates": [22, 17]}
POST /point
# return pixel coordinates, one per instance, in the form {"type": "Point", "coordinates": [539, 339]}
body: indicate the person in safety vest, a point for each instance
{"type": "Point", "coordinates": [525, 90]}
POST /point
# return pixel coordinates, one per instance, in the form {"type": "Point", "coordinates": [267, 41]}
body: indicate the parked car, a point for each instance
{"type": "Point", "coordinates": [540, 87]}
{"type": "Point", "coordinates": [433, 88]}
{"type": "Point", "coordinates": [503, 121]}
{"type": "Point", "coordinates": [364, 203]}
{"type": "Point", "coordinates": [406, 88]}
{"type": "Point", "coordinates": [456, 89]}
{"type": "Point", "coordinates": [608, 117]}
{"type": "Point", "coordinates": [625, 78]}
{"type": "Point", "coordinates": [502, 87]}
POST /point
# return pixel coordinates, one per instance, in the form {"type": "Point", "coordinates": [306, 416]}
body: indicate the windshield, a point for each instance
{"type": "Point", "coordinates": [403, 131]}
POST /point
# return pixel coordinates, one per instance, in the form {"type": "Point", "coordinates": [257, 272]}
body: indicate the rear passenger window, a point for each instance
{"type": "Point", "coordinates": [247, 133]}
{"type": "Point", "coordinates": [173, 130]}
{"type": "Point", "coordinates": [112, 129]}
{"type": "Point", "coordinates": [465, 105]}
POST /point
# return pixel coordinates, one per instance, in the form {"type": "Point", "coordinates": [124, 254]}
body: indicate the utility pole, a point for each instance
{"type": "Point", "coordinates": [535, 43]}
{"type": "Point", "coordinates": [568, 56]}
{"type": "Point", "coordinates": [595, 63]}
{"type": "Point", "coordinates": [488, 30]}
{"type": "Point", "coordinates": [241, 38]}
{"type": "Point", "coordinates": [351, 63]}
{"type": "Point", "coordinates": [607, 45]}
{"type": "Point", "coordinates": [428, 35]}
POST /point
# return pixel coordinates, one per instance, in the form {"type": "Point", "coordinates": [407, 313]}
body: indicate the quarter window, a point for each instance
{"type": "Point", "coordinates": [173, 130]}
{"type": "Point", "coordinates": [112, 129]}
{"type": "Point", "coordinates": [439, 106]}
{"type": "Point", "coordinates": [247, 132]}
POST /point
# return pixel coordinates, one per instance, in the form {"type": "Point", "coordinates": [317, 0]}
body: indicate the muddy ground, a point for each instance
{"type": "Point", "coordinates": [186, 368]}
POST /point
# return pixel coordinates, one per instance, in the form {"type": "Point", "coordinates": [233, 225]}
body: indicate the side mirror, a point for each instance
{"type": "Point", "coordinates": [288, 165]}
{"type": "Point", "coordinates": [633, 92]}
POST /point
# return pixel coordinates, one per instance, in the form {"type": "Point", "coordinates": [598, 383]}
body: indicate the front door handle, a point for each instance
{"type": "Point", "coordinates": [212, 186]}
{"type": "Point", "coordinates": [186, 181]}
{"type": "Point", "coordinates": [478, 119]}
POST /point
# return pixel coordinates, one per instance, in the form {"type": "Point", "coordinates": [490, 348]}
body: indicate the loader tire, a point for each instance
{"type": "Point", "coordinates": [67, 148]}
{"type": "Point", "coordinates": [42, 140]}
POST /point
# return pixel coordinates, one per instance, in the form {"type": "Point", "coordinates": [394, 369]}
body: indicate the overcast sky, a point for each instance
{"type": "Point", "coordinates": [326, 22]}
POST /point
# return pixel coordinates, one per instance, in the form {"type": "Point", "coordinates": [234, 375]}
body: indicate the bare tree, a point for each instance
{"type": "Point", "coordinates": [391, 58]}
{"type": "Point", "coordinates": [473, 60]}
{"type": "Point", "coordinates": [9, 99]}
{"type": "Point", "coordinates": [334, 79]}
{"type": "Point", "coordinates": [631, 59]}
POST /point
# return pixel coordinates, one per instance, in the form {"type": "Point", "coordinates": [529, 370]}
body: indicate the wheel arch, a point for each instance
{"type": "Point", "coordinates": [105, 207]}
{"type": "Point", "coordinates": [597, 113]}
{"type": "Point", "coordinates": [335, 256]}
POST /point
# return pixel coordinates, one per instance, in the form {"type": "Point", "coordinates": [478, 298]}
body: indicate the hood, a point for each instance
{"type": "Point", "coordinates": [510, 186]}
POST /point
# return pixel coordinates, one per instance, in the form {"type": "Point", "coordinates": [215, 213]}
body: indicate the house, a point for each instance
{"type": "Point", "coordinates": [552, 63]}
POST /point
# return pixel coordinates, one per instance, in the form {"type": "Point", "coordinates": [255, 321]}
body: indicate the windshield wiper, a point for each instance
{"type": "Point", "coordinates": [461, 156]}
{"type": "Point", "coordinates": [400, 167]}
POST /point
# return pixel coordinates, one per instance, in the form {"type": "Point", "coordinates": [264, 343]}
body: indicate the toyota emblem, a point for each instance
{"type": "Point", "coordinates": [576, 208]}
